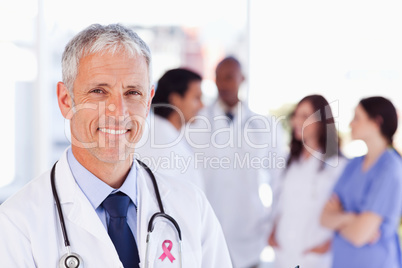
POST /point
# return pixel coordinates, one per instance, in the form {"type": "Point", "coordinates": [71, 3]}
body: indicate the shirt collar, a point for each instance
{"type": "Point", "coordinates": [95, 189]}
{"type": "Point", "coordinates": [227, 109]}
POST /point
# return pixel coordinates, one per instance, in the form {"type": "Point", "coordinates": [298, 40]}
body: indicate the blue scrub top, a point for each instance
{"type": "Point", "coordinates": [377, 190]}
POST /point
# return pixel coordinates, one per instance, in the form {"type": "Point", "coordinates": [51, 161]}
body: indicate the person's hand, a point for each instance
{"type": "Point", "coordinates": [320, 249]}
{"type": "Point", "coordinates": [334, 205]}
{"type": "Point", "coordinates": [272, 240]}
{"type": "Point", "coordinates": [374, 239]}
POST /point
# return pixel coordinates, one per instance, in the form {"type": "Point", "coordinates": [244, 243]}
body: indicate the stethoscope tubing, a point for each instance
{"type": "Point", "coordinates": [58, 206]}
{"type": "Point", "coordinates": [159, 214]}
{"type": "Point", "coordinates": [150, 224]}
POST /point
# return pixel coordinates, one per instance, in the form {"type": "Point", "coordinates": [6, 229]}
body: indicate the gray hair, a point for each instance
{"type": "Point", "coordinates": [101, 39]}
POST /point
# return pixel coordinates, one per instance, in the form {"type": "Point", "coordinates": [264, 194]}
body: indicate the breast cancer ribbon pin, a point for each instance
{"type": "Point", "coordinates": [166, 251]}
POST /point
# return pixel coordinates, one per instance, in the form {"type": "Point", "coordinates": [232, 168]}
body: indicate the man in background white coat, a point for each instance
{"type": "Point", "coordinates": [238, 151]}
{"type": "Point", "coordinates": [164, 146]}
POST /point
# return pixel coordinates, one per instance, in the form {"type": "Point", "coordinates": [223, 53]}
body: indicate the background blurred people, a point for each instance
{"type": "Point", "coordinates": [366, 205]}
{"type": "Point", "coordinates": [164, 148]}
{"type": "Point", "coordinates": [236, 150]}
{"type": "Point", "coordinates": [313, 166]}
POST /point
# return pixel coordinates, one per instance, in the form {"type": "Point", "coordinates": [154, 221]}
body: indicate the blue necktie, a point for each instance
{"type": "Point", "coordinates": [119, 231]}
{"type": "Point", "coordinates": [230, 116]}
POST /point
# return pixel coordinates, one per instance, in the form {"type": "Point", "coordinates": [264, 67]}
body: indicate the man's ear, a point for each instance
{"type": "Point", "coordinates": [151, 96]}
{"type": "Point", "coordinates": [65, 101]}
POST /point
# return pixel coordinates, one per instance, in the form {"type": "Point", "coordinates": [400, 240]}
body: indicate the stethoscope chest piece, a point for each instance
{"type": "Point", "coordinates": [70, 260]}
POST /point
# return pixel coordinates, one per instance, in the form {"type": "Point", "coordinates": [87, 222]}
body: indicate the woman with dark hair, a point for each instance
{"type": "Point", "coordinates": [313, 166]}
{"type": "Point", "coordinates": [364, 210]}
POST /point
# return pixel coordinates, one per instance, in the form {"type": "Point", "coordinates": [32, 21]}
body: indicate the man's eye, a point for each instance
{"type": "Point", "coordinates": [97, 90]}
{"type": "Point", "coordinates": [133, 92]}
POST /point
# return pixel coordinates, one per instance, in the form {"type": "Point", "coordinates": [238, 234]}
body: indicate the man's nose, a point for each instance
{"type": "Point", "coordinates": [117, 106]}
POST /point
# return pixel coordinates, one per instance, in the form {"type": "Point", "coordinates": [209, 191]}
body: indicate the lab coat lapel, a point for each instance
{"type": "Point", "coordinates": [78, 211]}
{"type": "Point", "coordinates": [147, 206]}
{"type": "Point", "coordinates": [76, 207]}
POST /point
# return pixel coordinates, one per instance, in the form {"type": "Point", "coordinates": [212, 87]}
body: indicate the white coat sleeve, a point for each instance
{"type": "Point", "coordinates": [15, 247]}
{"type": "Point", "coordinates": [214, 249]}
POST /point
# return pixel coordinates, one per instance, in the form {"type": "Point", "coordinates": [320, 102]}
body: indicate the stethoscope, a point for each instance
{"type": "Point", "coordinates": [73, 260]}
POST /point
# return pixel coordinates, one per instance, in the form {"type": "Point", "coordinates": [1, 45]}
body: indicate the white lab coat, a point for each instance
{"type": "Point", "coordinates": [166, 151]}
{"type": "Point", "coordinates": [31, 235]}
{"type": "Point", "coordinates": [232, 179]}
{"type": "Point", "coordinates": [305, 190]}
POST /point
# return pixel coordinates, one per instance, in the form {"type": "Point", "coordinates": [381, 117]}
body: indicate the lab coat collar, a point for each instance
{"type": "Point", "coordinates": [147, 205]}
{"type": "Point", "coordinates": [66, 186]}
{"type": "Point", "coordinates": [144, 183]}
{"type": "Point", "coordinates": [226, 109]}
{"type": "Point", "coordinates": [78, 209]}
{"type": "Point", "coordinates": [162, 123]}
{"type": "Point", "coordinates": [71, 192]}
{"type": "Point", "coordinates": [241, 111]}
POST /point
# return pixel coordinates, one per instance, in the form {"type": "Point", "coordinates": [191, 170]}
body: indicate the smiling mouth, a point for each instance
{"type": "Point", "coordinates": [113, 131]}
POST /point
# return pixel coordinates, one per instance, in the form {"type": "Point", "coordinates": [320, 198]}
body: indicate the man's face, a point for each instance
{"type": "Point", "coordinates": [191, 103]}
{"type": "Point", "coordinates": [228, 81]}
{"type": "Point", "coordinates": [112, 99]}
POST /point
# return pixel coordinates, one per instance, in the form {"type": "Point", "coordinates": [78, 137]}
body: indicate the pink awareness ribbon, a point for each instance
{"type": "Point", "coordinates": [166, 251]}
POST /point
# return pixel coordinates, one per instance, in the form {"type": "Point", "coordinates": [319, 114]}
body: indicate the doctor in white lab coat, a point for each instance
{"type": "Point", "coordinates": [106, 94]}
{"type": "Point", "coordinates": [313, 168]}
{"type": "Point", "coordinates": [239, 152]}
{"type": "Point", "coordinates": [163, 146]}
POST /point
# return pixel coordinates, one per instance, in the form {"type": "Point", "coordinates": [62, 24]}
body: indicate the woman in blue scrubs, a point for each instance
{"type": "Point", "coordinates": [365, 209]}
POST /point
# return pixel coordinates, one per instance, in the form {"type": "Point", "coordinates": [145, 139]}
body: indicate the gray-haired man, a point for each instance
{"type": "Point", "coordinates": [107, 198]}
